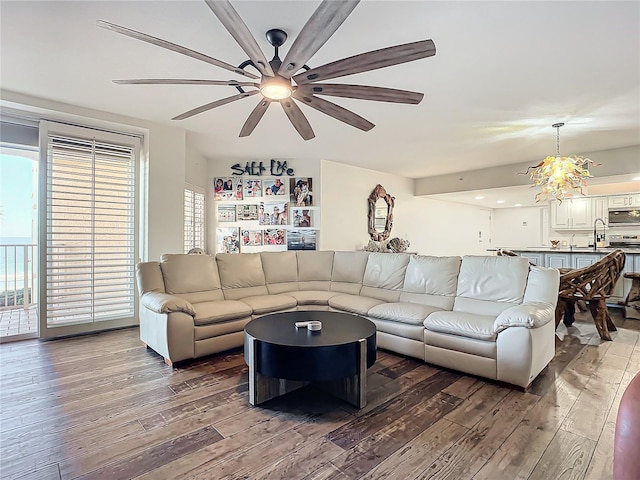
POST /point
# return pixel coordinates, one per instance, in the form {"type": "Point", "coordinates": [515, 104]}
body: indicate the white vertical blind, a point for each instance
{"type": "Point", "coordinates": [90, 228]}
{"type": "Point", "coordinates": [194, 218]}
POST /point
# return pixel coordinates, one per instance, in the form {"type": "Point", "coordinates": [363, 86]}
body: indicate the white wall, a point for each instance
{"type": "Point", "coordinates": [433, 227]}
{"type": "Point", "coordinates": [163, 155]}
{"type": "Point", "coordinates": [196, 167]}
{"type": "Point", "coordinates": [517, 227]}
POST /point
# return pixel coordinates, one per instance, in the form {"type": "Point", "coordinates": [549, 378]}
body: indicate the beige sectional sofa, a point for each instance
{"type": "Point", "coordinates": [484, 315]}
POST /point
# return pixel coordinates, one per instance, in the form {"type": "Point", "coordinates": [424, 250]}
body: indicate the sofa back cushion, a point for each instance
{"type": "Point", "coordinates": [185, 273]}
{"type": "Point", "coordinates": [384, 276]}
{"type": "Point", "coordinates": [431, 281]}
{"type": "Point", "coordinates": [489, 285]}
{"type": "Point", "coordinates": [280, 271]}
{"type": "Point", "coordinates": [241, 275]}
{"type": "Point", "coordinates": [314, 269]}
{"type": "Point", "coordinates": [542, 285]}
{"type": "Point", "coordinates": [348, 271]}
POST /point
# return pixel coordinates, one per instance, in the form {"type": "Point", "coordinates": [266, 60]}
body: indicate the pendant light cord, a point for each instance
{"type": "Point", "coordinates": [557, 127]}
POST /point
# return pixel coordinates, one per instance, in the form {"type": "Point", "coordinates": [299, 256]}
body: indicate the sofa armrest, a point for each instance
{"type": "Point", "coordinates": [164, 303]}
{"type": "Point", "coordinates": [529, 314]}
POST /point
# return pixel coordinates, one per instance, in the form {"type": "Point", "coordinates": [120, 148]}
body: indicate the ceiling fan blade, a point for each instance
{"type": "Point", "coordinates": [255, 116]}
{"type": "Point", "coordinates": [297, 118]}
{"type": "Point", "coordinates": [362, 92]}
{"type": "Point", "coordinates": [184, 81]}
{"type": "Point", "coordinates": [323, 23]}
{"type": "Point", "coordinates": [365, 62]}
{"type": "Point", "coordinates": [239, 30]}
{"type": "Point", "coordinates": [215, 104]}
{"type": "Point", "coordinates": [172, 46]}
{"type": "Point", "coordinates": [335, 111]}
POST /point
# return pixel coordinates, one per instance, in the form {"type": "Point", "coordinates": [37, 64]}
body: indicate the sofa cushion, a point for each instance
{"type": "Point", "coordinates": [279, 267]}
{"type": "Point", "coordinates": [220, 311]}
{"type": "Point", "coordinates": [493, 279]}
{"type": "Point", "coordinates": [432, 275]}
{"type": "Point", "coordinates": [313, 297]}
{"type": "Point", "coordinates": [461, 323]}
{"type": "Point", "coordinates": [385, 270]}
{"type": "Point", "coordinates": [185, 273]}
{"type": "Point", "coordinates": [348, 267]}
{"type": "Point", "coordinates": [314, 266]}
{"type": "Point", "coordinates": [354, 303]}
{"type": "Point", "coordinates": [411, 313]}
{"type": "Point", "coordinates": [261, 304]}
{"type": "Point", "coordinates": [490, 285]}
{"type": "Point", "coordinates": [240, 271]}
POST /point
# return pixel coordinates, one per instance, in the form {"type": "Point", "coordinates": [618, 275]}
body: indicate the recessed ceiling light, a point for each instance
{"type": "Point", "coordinates": [518, 205]}
{"type": "Point", "coordinates": [636, 179]}
{"type": "Point", "coordinates": [478, 197]}
{"type": "Point", "coordinates": [500, 201]}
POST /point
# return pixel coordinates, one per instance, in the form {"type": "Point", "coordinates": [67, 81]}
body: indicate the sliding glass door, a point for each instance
{"type": "Point", "coordinates": [89, 229]}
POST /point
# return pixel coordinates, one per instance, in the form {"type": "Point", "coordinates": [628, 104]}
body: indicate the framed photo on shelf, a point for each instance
{"type": "Point", "coordinates": [227, 240]}
{"type": "Point", "coordinates": [301, 240]}
{"type": "Point", "coordinates": [247, 212]}
{"type": "Point", "coordinates": [226, 213]}
{"type": "Point", "coordinates": [302, 217]}
{"type": "Point", "coordinates": [252, 188]}
{"type": "Point", "coordinates": [300, 191]}
{"type": "Point", "coordinates": [273, 213]}
{"type": "Point", "coordinates": [274, 187]}
{"type": "Point", "coordinates": [227, 188]}
{"type": "Point", "coordinates": [251, 238]}
{"type": "Point", "coordinates": [275, 236]}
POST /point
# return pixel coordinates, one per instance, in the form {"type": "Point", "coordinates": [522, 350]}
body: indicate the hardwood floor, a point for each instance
{"type": "Point", "coordinates": [104, 407]}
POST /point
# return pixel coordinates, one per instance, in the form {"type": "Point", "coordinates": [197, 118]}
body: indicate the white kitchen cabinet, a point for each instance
{"type": "Point", "coordinates": [557, 260]}
{"type": "Point", "coordinates": [535, 258]}
{"type": "Point", "coordinates": [600, 209]}
{"type": "Point", "coordinates": [572, 214]}
{"type": "Point", "coordinates": [629, 200]}
{"type": "Point", "coordinates": [584, 260]}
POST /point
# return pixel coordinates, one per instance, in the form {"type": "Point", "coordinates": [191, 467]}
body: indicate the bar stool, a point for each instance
{"type": "Point", "coordinates": [632, 303]}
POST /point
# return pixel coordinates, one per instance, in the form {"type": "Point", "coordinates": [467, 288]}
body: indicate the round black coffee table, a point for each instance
{"type": "Point", "coordinates": [282, 358]}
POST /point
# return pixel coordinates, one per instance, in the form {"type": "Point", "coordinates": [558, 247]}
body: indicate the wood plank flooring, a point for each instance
{"type": "Point", "coordinates": [104, 407]}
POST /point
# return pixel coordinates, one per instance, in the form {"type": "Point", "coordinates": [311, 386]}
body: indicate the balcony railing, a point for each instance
{"type": "Point", "coordinates": [18, 275]}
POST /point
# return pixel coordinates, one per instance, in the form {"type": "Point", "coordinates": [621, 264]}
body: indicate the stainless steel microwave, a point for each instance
{"type": "Point", "coordinates": [624, 217]}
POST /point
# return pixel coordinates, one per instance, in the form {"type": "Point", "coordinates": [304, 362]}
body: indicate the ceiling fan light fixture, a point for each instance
{"type": "Point", "coordinates": [275, 88]}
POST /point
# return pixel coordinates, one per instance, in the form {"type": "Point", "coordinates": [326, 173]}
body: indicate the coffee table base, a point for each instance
{"type": "Point", "coordinates": [350, 389]}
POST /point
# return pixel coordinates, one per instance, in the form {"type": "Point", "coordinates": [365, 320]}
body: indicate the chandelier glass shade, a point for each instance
{"type": "Point", "coordinates": [560, 176]}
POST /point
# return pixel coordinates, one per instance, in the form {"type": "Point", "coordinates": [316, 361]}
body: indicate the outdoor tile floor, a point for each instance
{"type": "Point", "coordinates": [18, 321]}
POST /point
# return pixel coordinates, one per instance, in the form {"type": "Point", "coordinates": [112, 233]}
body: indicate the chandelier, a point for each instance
{"type": "Point", "coordinates": [559, 176]}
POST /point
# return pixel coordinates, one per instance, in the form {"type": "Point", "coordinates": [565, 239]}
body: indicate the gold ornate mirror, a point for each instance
{"type": "Point", "coordinates": [380, 213]}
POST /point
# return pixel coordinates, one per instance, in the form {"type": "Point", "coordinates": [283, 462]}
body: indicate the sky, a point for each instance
{"type": "Point", "coordinates": [17, 199]}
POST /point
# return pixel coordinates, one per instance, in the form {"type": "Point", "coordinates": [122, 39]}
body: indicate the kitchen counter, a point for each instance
{"type": "Point", "coordinates": [581, 257]}
{"type": "Point", "coordinates": [605, 250]}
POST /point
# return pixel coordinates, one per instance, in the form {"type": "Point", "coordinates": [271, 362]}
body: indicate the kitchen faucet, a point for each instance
{"type": "Point", "coordinates": [595, 236]}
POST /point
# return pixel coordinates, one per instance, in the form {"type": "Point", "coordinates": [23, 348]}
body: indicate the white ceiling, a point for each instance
{"type": "Point", "coordinates": [503, 73]}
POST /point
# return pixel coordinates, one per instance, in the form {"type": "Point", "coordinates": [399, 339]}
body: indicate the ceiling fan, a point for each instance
{"type": "Point", "coordinates": [277, 77]}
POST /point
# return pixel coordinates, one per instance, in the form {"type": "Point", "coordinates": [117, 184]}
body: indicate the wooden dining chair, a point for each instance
{"type": "Point", "coordinates": [593, 284]}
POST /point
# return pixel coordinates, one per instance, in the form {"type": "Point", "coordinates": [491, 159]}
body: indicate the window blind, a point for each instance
{"type": "Point", "coordinates": [194, 219]}
{"type": "Point", "coordinates": [90, 228]}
